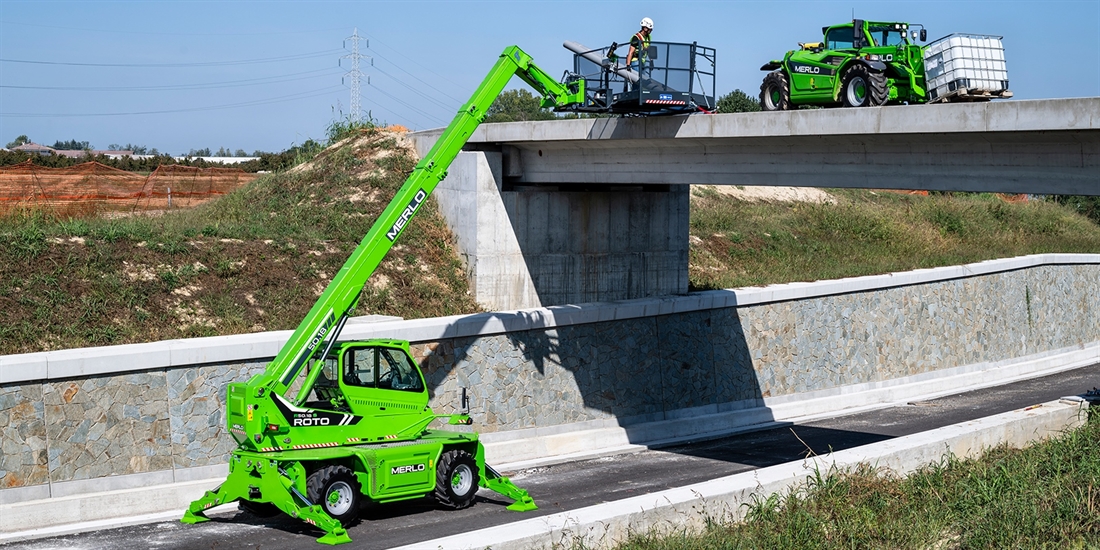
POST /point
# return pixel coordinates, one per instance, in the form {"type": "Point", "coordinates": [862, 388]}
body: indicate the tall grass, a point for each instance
{"type": "Point", "coordinates": [1045, 496]}
{"type": "Point", "coordinates": [738, 243]}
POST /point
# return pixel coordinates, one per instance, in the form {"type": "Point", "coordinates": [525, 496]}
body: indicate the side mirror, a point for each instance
{"type": "Point", "coordinates": [923, 35]}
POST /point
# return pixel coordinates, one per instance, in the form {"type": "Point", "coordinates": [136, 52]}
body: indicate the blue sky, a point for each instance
{"type": "Point", "coordinates": [260, 75]}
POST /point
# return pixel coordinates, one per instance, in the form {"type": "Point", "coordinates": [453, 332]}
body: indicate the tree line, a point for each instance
{"type": "Point", "coordinates": [266, 162]}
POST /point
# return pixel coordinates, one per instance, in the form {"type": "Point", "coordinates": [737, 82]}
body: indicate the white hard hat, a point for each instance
{"type": "Point", "coordinates": [647, 23]}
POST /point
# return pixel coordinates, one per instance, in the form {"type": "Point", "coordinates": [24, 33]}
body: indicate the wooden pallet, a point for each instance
{"type": "Point", "coordinates": [972, 94]}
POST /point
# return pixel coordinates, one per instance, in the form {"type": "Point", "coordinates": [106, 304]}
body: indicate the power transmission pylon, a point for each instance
{"type": "Point", "coordinates": [355, 74]}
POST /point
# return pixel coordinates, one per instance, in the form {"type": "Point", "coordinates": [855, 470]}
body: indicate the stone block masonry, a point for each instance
{"type": "Point", "coordinates": [137, 421]}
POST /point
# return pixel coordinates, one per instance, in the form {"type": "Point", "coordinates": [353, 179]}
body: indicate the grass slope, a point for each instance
{"type": "Point", "coordinates": [736, 243]}
{"type": "Point", "coordinates": [254, 260]}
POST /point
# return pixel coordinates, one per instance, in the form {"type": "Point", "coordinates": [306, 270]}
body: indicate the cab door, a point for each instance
{"type": "Point", "coordinates": [384, 385]}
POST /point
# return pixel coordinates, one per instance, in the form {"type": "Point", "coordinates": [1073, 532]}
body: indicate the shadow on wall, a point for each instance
{"type": "Point", "coordinates": [624, 373]}
{"type": "Point", "coordinates": [594, 243]}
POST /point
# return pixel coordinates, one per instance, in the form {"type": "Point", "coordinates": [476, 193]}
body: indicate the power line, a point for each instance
{"type": "Point", "coordinates": [208, 85]}
{"type": "Point", "coordinates": [410, 107]}
{"type": "Point", "coordinates": [414, 62]}
{"type": "Point", "coordinates": [413, 89]}
{"type": "Point", "coordinates": [325, 53]}
{"type": "Point", "coordinates": [408, 121]}
{"type": "Point", "coordinates": [448, 96]}
{"type": "Point", "coordinates": [162, 33]}
{"type": "Point", "coordinates": [291, 97]}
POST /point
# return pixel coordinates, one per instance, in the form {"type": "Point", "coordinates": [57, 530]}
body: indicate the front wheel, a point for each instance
{"type": "Point", "coordinates": [456, 479]}
{"type": "Point", "coordinates": [336, 489]}
{"type": "Point", "coordinates": [863, 88]}
{"type": "Point", "coordinates": [775, 92]}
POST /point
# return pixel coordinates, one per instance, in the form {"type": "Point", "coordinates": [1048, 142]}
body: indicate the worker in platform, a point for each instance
{"type": "Point", "coordinates": [639, 48]}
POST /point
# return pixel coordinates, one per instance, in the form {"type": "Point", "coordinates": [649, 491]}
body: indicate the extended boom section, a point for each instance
{"type": "Point", "coordinates": [357, 427]}
{"type": "Point", "coordinates": [343, 292]}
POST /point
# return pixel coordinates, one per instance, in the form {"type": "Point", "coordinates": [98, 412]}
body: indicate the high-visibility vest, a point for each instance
{"type": "Point", "coordinates": [642, 54]}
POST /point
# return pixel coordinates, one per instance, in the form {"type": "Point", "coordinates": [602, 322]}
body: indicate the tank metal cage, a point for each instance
{"type": "Point", "coordinates": [675, 78]}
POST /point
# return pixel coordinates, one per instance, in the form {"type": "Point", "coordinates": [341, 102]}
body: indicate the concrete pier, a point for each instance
{"type": "Point", "coordinates": [532, 246]}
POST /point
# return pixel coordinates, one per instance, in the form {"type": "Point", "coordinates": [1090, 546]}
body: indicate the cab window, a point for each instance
{"type": "Point", "coordinates": [839, 39]}
{"type": "Point", "coordinates": [383, 368]}
{"type": "Point", "coordinates": [396, 371]}
{"type": "Point", "coordinates": [887, 36]}
{"type": "Point", "coordinates": [359, 367]}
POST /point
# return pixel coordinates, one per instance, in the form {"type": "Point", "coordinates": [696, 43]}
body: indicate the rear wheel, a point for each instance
{"type": "Point", "coordinates": [456, 479]}
{"type": "Point", "coordinates": [336, 489]}
{"type": "Point", "coordinates": [775, 92]}
{"type": "Point", "coordinates": [863, 88]}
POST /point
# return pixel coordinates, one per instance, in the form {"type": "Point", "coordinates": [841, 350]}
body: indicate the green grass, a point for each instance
{"type": "Point", "coordinates": [736, 243]}
{"type": "Point", "coordinates": [1045, 496]}
{"type": "Point", "coordinates": [254, 260]}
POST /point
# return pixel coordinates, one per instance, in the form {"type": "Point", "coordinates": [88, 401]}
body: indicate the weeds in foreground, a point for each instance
{"type": "Point", "coordinates": [1045, 496]}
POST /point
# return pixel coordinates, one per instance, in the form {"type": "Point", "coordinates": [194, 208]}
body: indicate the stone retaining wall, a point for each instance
{"type": "Point", "coordinates": [60, 435]}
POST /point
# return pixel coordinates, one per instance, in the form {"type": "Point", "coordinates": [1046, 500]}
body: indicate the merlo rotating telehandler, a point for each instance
{"type": "Point", "coordinates": [357, 428]}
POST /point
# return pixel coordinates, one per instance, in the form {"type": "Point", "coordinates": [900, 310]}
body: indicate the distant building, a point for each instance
{"type": "Point", "coordinates": [79, 153]}
{"type": "Point", "coordinates": [220, 160]}
{"type": "Point", "coordinates": [33, 147]}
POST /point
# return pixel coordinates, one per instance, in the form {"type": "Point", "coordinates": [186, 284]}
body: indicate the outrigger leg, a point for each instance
{"type": "Point", "coordinates": [492, 480]}
{"type": "Point", "coordinates": [266, 481]}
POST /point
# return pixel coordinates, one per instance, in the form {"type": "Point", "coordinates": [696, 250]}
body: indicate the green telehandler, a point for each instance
{"type": "Point", "coordinates": [358, 427]}
{"type": "Point", "coordinates": [871, 63]}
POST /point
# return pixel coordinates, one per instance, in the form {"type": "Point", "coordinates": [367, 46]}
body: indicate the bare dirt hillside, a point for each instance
{"type": "Point", "coordinates": [90, 188]}
{"type": "Point", "coordinates": [762, 193]}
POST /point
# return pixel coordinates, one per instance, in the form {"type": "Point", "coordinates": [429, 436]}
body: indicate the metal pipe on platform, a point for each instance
{"type": "Point", "coordinates": [594, 57]}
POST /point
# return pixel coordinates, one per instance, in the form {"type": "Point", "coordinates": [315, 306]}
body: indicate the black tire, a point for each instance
{"type": "Point", "coordinates": [775, 92]}
{"type": "Point", "coordinates": [337, 490]}
{"type": "Point", "coordinates": [261, 510]}
{"type": "Point", "coordinates": [862, 87]}
{"type": "Point", "coordinates": [456, 479]}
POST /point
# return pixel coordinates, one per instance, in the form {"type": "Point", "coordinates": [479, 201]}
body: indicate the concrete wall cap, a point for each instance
{"type": "Point", "coordinates": [262, 346]}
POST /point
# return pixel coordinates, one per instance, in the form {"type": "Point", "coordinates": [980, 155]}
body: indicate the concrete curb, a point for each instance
{"type": "Point", "coordinates": [603, 525]}
{"type": "Point", "coordinates": [93, 511]}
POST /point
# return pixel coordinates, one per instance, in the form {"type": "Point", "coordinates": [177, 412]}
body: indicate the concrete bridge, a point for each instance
{"type": "Point", "coordinates": [585, 210]}
{"type": "Point", "coordinates": [1049, 147]}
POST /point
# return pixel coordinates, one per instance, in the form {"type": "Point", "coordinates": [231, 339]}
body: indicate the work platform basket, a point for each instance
{"type": "Point", "coordinates": [676, 78]}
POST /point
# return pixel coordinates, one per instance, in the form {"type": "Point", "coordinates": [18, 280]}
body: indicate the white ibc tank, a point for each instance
{"type": "Point", "coordinates": [973, 62]}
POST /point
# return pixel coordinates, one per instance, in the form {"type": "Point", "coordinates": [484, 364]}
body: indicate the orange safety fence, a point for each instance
{"type": "Point", "coordinates": [93, 186]}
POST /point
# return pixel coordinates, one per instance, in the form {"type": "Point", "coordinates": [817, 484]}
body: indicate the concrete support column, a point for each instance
{"type": "Point", "coordinates": [532, 246]}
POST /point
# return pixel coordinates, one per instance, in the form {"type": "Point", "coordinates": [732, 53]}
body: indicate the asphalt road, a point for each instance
{"type": "Point", "coordinates": [578, 484]}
